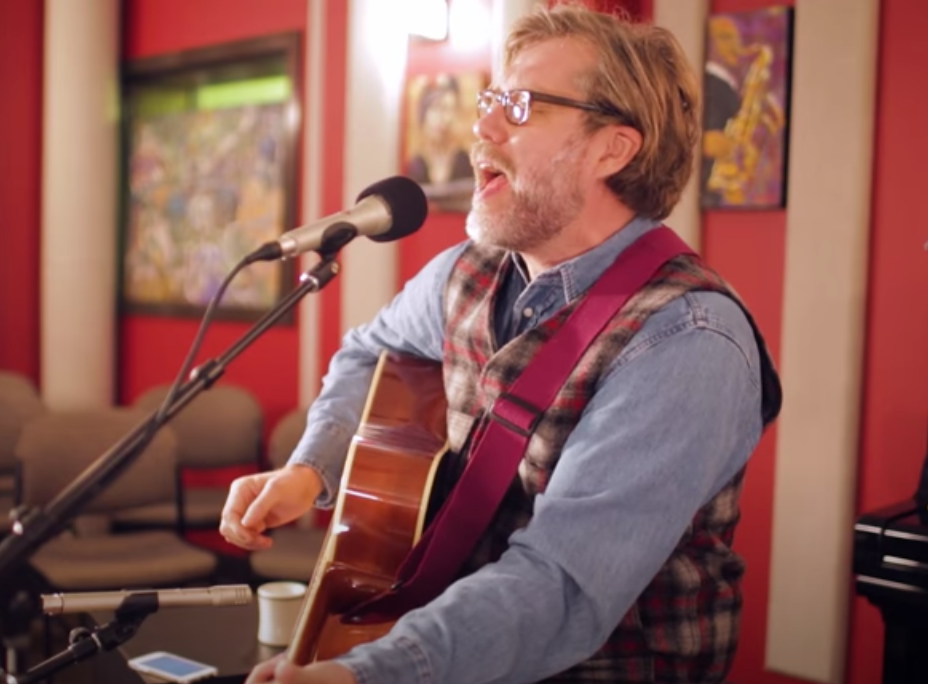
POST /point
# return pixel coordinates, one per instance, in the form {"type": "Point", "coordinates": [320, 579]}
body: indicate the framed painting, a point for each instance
{"type": "Point", "coordinates": [746, 86]}
{"type": "Point", "coordinates": [440, 115]}
{"type": "Point", "coordinates": [208, 176]}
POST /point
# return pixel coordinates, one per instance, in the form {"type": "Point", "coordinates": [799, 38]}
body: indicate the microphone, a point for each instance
{"type": "Point", "coordinates": [223, 595]}
{"type": "Point", "coordinates": [387, 210]}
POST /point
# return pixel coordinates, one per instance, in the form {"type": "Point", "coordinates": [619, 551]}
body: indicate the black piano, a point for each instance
{"type": "Point", "coordinates": [891, 571]}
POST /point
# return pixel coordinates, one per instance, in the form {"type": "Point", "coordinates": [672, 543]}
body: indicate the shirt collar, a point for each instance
{"type": "Point", "coordinates": [722, 73]}
{"type": "Point", "coordinates": [576, 275]}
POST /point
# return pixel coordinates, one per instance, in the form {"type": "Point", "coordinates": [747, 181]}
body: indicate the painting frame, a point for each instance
{"type": "Point", "coordinates": [439, 114]}
{"type": "Point", "coordinates": [233, 109]}
{"type": "Point", "coordinates": [747, 84]}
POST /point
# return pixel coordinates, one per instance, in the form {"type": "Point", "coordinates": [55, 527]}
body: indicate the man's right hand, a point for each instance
{"type": "Point", "coordinates": [263, 501]}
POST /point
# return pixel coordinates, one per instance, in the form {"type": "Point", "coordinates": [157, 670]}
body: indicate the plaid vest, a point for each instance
{"type": "Point", "coordinates": [684, 626]}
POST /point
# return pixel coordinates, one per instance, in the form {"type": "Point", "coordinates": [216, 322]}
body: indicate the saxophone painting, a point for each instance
{"type": "Point", "coordinates": [746, 93]}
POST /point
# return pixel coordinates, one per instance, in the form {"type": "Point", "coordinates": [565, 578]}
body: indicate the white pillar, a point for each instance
{"type": "Point", "coordinates": [310, 319]}
{"type": "Point", "coordinates": [377, 43]}
{"type": "Point", "coordinates": [686, 19]}
{"type": "Point", "coordinates": [79, 202]}
{"type": "Point", "coordinates": [824, 307]}
{"type": "Point", "coordinates": [504, 13]}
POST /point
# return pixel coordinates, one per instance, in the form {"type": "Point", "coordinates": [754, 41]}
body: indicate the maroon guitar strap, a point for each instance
{"type": "Point", "coordinates": [433, 563]}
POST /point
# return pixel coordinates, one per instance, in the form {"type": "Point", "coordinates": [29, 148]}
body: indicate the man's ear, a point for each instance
{"type": "Point", "coordinates": [619, 146]}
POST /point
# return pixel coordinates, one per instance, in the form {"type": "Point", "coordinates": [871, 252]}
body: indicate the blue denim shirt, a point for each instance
{"type": "Point", "coordinates": [676, 417]}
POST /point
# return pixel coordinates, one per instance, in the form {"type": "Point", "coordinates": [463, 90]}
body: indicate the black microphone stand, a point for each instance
{"type": "Point", "coordinates": [34, 527]}
{"type": "Point", "coordinates": [84, 642]}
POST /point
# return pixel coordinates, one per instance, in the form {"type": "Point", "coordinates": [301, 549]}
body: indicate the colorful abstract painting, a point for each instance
{"type": "Point", "coordinates": [746, 109]}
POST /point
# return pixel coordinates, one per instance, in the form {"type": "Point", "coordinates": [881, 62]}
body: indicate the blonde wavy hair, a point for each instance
{"type": "Point", "coordinates": [641, 71]}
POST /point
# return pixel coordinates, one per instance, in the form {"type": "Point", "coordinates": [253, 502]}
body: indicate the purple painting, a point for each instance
{"type": "Point", "coordinates": [746, 107]}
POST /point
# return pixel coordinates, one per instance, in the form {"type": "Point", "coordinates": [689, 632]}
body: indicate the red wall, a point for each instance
{"type": "Point", "coordinates": [20, 184]}
{"type": "Point", "coordinates": [152, 27]}
{"type": "Point", "coordinates": [895, 408]}
{"type": "Point", "coordinates": [152, 348]}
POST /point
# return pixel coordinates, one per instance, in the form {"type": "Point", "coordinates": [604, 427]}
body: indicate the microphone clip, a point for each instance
{"type": "Point", "coordinates": [334, 238]}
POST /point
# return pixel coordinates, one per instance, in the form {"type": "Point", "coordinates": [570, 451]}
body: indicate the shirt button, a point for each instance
{"type": "Point", "coordinates": [527, 312]}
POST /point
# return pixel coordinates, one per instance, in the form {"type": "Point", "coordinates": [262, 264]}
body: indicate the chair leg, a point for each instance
{"type": "Point", "coordinates": [180, 502]}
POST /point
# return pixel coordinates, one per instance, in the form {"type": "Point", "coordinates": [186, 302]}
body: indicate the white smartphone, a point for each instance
{"type": "Point", "coordinates": [173, 668]}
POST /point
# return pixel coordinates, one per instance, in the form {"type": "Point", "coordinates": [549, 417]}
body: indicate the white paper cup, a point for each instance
{"type": "Point", "coordinates": [279, 605]}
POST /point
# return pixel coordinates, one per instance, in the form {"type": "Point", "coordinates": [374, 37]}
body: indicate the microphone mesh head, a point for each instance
{"type": "Point", "coordinates": [407, 202]}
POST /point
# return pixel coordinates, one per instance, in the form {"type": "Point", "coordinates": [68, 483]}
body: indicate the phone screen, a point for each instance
{"type": "Point", "coordinates": [173, 666]}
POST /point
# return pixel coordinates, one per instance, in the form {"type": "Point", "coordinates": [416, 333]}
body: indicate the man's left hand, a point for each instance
{"type": "Point", "coordinates": [279, 671]}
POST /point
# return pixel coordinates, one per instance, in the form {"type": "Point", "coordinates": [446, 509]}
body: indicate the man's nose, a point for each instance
{"type": "Point", "coordinates": [491, 126]}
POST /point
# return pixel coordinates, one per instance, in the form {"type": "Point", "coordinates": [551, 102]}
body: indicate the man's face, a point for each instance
{"type": "Point", "coordinates": [532, 181]}
{"type": "Point", "coordinates": [438, 123]}
{"type": "Point", "coordinates": [726, 40]}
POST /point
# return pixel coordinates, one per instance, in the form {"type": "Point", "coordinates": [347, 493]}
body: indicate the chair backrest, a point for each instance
{"type": "Point", "coordinates": [55, 448]}
{"type": "Point", "coordinates": [220, 427]}
{"type": "Point", "coordinates": [19, 403]}
{"type": "Point", "coordinates": [285, 436]}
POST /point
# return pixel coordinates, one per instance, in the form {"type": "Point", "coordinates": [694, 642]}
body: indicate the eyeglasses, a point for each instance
{"type": "Point", "coordinates": [517, 104]}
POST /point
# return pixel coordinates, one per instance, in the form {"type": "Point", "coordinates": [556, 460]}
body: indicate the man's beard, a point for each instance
{"type": "Point", "coordinates": [541, 203]}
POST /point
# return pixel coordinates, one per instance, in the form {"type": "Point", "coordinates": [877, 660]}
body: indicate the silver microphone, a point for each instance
{"type": "Point", "coordinates": [387, 210]}
{"type": "Point", "coordinates": [84, 602]}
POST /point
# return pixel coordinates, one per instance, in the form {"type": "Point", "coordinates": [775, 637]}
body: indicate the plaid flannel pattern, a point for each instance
{"type": "Point", "coordinates": [684, 626]}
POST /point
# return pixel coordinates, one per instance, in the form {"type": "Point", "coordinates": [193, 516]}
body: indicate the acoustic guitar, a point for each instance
{"type": "Point", "coordinates": [381, 507]}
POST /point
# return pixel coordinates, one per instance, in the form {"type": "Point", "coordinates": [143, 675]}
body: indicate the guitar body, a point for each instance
{"type": "Point", "coordinates": [381, 506]}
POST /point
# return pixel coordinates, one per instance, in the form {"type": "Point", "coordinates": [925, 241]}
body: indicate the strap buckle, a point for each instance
{"type": "Point", "coordinates": [522, 417]}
